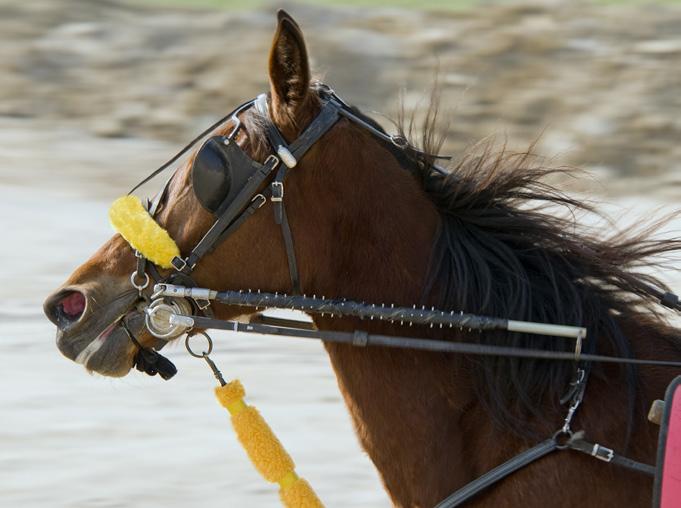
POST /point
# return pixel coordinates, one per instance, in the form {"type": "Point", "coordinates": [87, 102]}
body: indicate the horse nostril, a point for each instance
{"type": "Point", "coordinates": [65, 307]}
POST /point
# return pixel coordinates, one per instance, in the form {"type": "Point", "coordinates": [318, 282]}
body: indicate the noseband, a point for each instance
{"type": "Point", "coordinates": [233, 186]}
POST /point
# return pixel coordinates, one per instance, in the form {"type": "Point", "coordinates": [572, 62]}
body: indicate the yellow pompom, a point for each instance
{"type": "Point", "coordinates": [129, 218]}
{"type": "Point", "coordinates": [300, 495]}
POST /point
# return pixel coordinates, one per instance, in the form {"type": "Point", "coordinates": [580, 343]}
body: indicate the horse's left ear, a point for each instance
{"type": "Point", "coordinates": [289, 73]}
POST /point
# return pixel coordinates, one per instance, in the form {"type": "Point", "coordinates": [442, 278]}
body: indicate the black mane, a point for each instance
{"type": "Point", "coordinates": [510, 245]}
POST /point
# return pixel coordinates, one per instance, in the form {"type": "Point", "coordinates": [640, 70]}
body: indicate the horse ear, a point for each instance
{"type": "Point", "coordinates": [289, 72]}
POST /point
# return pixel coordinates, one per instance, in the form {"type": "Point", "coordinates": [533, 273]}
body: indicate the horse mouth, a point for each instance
{"type": "Point", "coordinates": [110, 352]}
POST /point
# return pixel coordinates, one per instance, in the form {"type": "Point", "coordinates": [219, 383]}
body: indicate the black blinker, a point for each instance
{"type": "Point", "coordinates": [211, 174]}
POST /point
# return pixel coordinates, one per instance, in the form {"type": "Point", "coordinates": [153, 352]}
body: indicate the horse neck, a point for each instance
{"type": "Point", "coordinates": [372, 229]}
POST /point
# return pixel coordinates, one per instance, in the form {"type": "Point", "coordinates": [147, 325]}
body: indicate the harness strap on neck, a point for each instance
{"type": "Point", "coordinates": [578, 443]}
{"type": "Point", "coordinates": [498, 473]}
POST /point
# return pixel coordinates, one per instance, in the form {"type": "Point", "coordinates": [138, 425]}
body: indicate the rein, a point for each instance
{"type": "Point", "coordinates": [176, 305]}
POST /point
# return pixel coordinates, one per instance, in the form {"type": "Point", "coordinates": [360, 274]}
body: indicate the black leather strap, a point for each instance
{"type": "Point", "coordinates": [498, 473]}
{"type": "Point", "coordinates": [578, 443]}
{"type": "Point", "coordinates": [326, 118]}
{"type": "Point", "coordinates": [189, 145]}
{"type": "Point", "coordinates": [232, 211]}
{"type": "Point", "coordinates": [290, 251]}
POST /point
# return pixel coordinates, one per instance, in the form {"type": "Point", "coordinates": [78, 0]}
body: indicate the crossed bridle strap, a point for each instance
{"type": "Point", "coordinates": [234, 214]}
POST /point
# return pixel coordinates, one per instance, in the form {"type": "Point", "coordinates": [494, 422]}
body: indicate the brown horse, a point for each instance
{"type": "Point", "coordinates": [371, 223]}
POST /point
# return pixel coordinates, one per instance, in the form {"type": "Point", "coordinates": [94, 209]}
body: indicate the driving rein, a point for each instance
{"type": "Point", "coordinates": [232, 186]}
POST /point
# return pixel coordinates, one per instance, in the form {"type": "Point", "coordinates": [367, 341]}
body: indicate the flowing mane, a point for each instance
{"type": "Point", "coordinates": [510, 245]}
{"type": "Point", "coordinates": [369, 217]}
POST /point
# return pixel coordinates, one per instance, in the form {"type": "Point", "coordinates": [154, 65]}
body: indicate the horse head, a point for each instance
{"type": "Point", "coordinates": [342, 178]}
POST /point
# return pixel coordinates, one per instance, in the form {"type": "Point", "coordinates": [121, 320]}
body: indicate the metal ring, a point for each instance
{"type": "Point", "coordinates": [399, 141]}
{"type": "Point", "coordinates": [191, 351]}
{"type": "Point", "coordinates": [562, 439]}
{"type": "Point", "coordinates": [137, 286]}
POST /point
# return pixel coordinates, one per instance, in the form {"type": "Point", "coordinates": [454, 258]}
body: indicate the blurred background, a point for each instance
{"type": "Point", "coordinates": [94, 94]}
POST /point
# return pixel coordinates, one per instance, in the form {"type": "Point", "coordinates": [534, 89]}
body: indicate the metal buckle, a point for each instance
{"type": "Point", "coordinates": [178, 263]}
{"type": "Point", "coordinates": [260, 197]}
{"type": "Point", "coordinates": [272, 160]}
{"type": "Point", "coordinates": [603, 453]}
{"type": "Point", "coordinates": [277, 192]}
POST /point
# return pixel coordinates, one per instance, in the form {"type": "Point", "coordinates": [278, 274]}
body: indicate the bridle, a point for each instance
{"type": "Point", "coordinates": [233, 186]}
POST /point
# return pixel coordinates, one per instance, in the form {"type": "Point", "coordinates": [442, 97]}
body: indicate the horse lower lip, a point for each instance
{"type": "Point", "coordinates": [94, 346]}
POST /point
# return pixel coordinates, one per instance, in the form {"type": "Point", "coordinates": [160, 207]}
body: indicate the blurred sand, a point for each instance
{"type": "Point", "coordinates": [95, 95]}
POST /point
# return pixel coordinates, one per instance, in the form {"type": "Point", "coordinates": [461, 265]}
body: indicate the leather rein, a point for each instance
{"type": "Point", "coordinates": [164, 311]}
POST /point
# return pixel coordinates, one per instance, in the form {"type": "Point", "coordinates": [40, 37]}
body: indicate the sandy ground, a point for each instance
{"type": "Point", "coordinates": [69, 145]}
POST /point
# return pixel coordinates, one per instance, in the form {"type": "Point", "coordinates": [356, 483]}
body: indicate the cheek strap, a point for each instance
{"type": "Point", "coordinates": [129, 218]}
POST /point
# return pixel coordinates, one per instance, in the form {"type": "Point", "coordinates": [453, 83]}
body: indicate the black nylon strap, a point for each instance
{"type": "Point", "coordinates": [498, 473]}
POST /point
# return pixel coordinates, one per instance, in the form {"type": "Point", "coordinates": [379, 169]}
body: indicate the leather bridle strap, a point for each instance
{"type": "Point", "coordinates": [189, 145]}
{"type": "Point", "coordinates": [290, 155]}
{"type": "Point", "coordinates": [326, 118]}
{"type": "Point", "coordinates": [226, 217]}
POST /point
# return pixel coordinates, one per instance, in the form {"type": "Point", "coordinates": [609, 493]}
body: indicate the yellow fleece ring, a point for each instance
{"type": "Point", "coordinates": [129, 218]}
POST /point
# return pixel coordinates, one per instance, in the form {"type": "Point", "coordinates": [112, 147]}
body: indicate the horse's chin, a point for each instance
{"type": "Point", "coordinates": [110, 352]}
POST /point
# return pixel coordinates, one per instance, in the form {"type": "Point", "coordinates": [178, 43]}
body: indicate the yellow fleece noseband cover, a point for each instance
{"type": "Point", "coordinates": [129, 218]}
